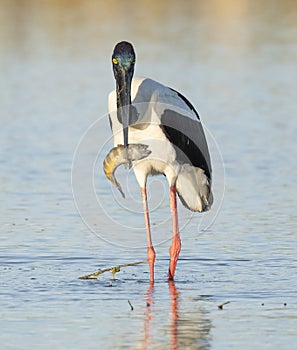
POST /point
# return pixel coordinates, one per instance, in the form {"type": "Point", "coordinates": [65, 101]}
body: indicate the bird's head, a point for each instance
{"type": "Point", "coordinates": [123, 61]}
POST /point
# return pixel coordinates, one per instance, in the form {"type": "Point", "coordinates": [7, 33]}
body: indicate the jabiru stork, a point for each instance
{"type": "Point", "coordinates": [144, 111]}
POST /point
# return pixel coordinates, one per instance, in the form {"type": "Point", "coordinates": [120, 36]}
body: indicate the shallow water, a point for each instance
{"type": "Point", "coordinates": [236, 61]}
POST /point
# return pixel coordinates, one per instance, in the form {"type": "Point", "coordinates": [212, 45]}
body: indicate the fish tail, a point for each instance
{"type": "Point", "coordinates": [116, 184]}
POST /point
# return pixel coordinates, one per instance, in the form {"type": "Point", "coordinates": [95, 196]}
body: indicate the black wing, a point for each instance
{"type": "Point", "coordinates": [188, 137]}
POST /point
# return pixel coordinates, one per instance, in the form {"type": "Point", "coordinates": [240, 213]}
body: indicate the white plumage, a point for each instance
{"type": "Point", "coordinates": [151, 99]}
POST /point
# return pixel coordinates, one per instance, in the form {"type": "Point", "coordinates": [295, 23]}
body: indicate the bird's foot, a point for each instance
{"type": "Point", "coordinates": [174, 251]}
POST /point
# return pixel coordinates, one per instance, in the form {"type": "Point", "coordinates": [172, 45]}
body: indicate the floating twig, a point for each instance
{"type": "Point", "coordinates": [132, 308]}
{"type": "Point", "coordinates": [113, 270]}
{"type": "Point", "coordinates": [225, 303]}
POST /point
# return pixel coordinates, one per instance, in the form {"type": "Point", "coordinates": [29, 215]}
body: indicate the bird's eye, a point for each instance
{"type": "Point", "coordinates": [115, 61]}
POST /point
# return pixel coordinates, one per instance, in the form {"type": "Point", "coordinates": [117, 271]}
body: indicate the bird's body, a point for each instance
{"type": "Point", "coordinates": [143, 111]}
{"type": "Point", "coordinates": [155, 108]}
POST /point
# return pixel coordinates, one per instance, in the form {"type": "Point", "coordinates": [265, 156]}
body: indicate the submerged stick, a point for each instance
{"type": "Point", "coordinates": [113, 270]}
{"type": "Point", "coordinates": [131, 306]}
{"type": "Point", "coordinates": [225, 303]}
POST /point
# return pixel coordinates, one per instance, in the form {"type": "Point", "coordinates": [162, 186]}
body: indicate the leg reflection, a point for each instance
{"type": "Point", "coordinates": [187, 327]}
{"type": "Point", "coordinates": [148, 316]}
{"type": "Point", "coordinates": [174, 315]}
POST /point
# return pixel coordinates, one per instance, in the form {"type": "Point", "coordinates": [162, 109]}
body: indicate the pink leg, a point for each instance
{"type": "Point", "coordinates": [176, 243]}
{"type": "Point", "coordinates": [151, 255]}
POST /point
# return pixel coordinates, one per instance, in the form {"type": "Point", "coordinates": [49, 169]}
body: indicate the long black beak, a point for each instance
{"type": "Point", "coordinates": [124, 103]}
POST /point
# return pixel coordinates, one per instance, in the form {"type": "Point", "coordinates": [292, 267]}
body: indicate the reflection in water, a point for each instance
{"type": "Point", "coordinates": [148, 316]}
{"type": "Point", "coordinates": [187, 328]}
{"type": "Point", "coordinates": [174, 314]}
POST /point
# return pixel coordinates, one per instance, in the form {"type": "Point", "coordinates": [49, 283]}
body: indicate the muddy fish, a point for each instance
{"type": "Point", "coordinates": [120, 155]}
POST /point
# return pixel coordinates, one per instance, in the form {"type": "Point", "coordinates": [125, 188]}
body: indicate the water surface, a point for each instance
{"type": "Point", "coordinates": [236, 61]}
